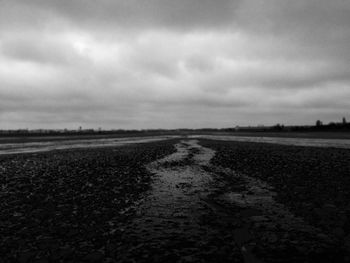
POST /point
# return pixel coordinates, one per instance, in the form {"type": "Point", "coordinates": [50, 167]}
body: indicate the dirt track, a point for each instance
{"type": "Point", "coordinates": [192, 214]}
{"type": "Point", "coordinates": [176, 222]}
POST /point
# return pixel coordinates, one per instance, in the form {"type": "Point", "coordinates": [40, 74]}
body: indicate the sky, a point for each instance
{"type": "Point", "coordinates": [141, 64]}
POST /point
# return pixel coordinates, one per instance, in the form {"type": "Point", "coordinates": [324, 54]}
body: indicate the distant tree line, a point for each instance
{"type": "Point", "coordinates": [319, 126]}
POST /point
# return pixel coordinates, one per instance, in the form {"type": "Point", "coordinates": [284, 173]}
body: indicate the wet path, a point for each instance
{"type": "Point", "coordinates": [193, 215]}
{"type": "Point", "coordinates": [174, 222]}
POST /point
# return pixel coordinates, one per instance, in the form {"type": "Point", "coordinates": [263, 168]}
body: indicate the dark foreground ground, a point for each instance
{"type": "Point", "coordinates": [62, 206]}
{"type": "Point", "coordinates": [313, 183]}
{"type": "Point", "coordinates": [51, 138]}
{"type": "Point", "coordinates": [202, 201]}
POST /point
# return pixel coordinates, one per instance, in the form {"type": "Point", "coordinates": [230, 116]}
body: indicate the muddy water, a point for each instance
{"type": "Point", "coordinates": [193, 215]}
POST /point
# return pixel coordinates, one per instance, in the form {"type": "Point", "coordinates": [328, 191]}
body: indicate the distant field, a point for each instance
{"type": "Point", "coordinates": [311, 135]}
{"type": "Point", "coordinates": [11, 145]}
{"type": "Point", "coordinates": [44, 138]}
{"type": "Point", "coordinates": [50, 145]}
{"type": "Point", "coordinates": [309, 142]}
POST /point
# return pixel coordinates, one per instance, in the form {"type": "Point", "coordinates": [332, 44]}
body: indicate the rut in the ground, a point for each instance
{"type": "Point", "coordinates": [190, 215]}
{"type": "Point", "coordinates": [174, 223]}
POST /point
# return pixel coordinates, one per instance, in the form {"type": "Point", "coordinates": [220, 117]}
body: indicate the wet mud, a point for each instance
{"type": "Point", "coordinates": [197, 212]}
{"type": "Point", "coordinates": [175, 222]}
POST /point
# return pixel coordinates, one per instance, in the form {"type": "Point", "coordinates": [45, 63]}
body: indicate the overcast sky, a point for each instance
{"type": "Point", "coordinates": [171, 64]}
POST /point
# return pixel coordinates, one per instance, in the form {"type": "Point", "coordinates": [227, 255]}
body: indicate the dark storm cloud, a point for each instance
{"type": "Point", "coordinates": [162, 63]}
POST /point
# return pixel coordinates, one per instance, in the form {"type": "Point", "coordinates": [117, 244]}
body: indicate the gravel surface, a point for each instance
{"type": "Point", "coordinates": [176, 201]}
{"type": "Point", "coordinates": [64, 205]}
{"type": "Point", "coordinates": [313, 183]}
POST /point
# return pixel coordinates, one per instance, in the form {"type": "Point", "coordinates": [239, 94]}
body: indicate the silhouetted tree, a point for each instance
{"type": "Point", "coordinates": [318, 123]}
{"type": "Point", "coordinates": [278, 127]}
